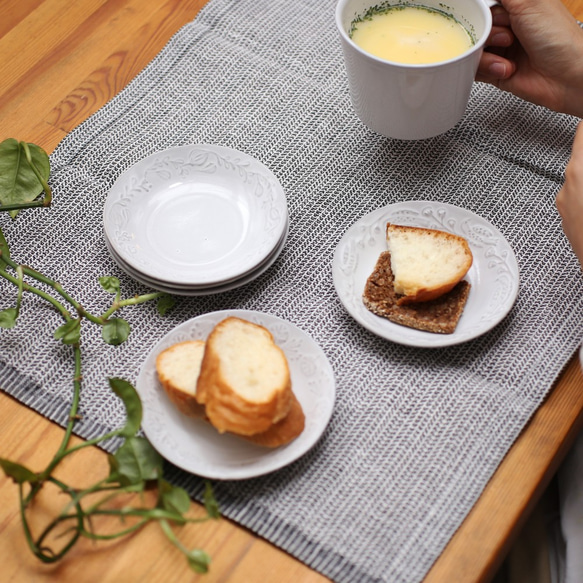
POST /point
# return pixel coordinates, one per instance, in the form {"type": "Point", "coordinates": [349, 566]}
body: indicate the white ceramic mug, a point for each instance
{"type": "Point", "coordinates": [413, 102]}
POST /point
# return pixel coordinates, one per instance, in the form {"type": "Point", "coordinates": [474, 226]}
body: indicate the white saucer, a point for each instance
{"type": "Point", "coordinates": [196, 446]}
{"type": "Point", "coordinates": [200, 290]}
{"type": "Point", "coordinates": [493, 276]}
{"type": "Point", "coordinates": [195, 215]}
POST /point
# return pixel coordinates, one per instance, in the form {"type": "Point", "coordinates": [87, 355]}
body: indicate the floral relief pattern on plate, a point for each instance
{"type": "Point", "coordinates": [195, 214]}
{"type": "Point", "coordinates": [196, 446]}
{"type": "Point", "coordinates": [494, 275]}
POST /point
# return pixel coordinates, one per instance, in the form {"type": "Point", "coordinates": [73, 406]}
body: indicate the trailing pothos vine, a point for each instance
{"type": "Point", "coordinates": [135, 466]}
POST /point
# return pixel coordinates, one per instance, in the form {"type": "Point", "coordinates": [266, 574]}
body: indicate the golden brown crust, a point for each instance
{"type": "Point", "coordinates": [440, 315]}
{"type": "Point", "coordinates": [423, 293]}
{"type": "Point", "coordinates": [283, 431]}
{"type": "Point", "coordinates": [186, 404]}
{"type": "Point", "coordinates": [226, 409]}
{"type": "Point", "coordinates": [184, 400]}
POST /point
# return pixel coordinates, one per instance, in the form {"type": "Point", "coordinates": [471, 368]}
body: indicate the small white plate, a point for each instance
{"type": "Point", "coordinates": [198, 215]}
{"type": "Point", "coordinates": [493, 276]}
{"type": "Point", "coordinates": [182, 290]}
{"type": "Point", "coordinates": [197, 447]}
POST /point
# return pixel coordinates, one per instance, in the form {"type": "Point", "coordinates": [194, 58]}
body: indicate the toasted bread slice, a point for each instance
{"type": "Point", "coordinates": [178, 369]}
{"type": "Point", "coordinates": [426, 263]}
{"type": "Point", "coordinates": [244, 381]}
{"type": "Point", "coordinates": [283, 431]}
{"type": "Point", "coordinates": [440, 315]}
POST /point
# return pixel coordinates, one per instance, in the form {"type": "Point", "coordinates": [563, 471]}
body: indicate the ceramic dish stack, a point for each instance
{"type": "Point", "coordinates": [196, 220]}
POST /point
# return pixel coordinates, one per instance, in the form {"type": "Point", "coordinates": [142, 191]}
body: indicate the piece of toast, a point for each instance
{"type": "Point", "coordinates": [244, 380]}
{"type": "Point", "coordinates": [440, 315]}
{"type": "Point", "coordinates": [178, 368]}
{"type": "Point", "coordinates": [426, 263]}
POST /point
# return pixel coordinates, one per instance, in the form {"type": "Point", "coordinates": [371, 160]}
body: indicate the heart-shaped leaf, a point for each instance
{"type": "Point", "coordinates": [115, 331]}
{"type": "Point", "coordinates": [69, 332]}
{"type": "Point", "coordinates": [4, 251]}
{"type": "Point", "coordinates": [165, 303]}
{"type": "Point", "coordinates": [19, 473]}
{"type": "Point", "coordinates": [138, 461]}
{"type": "Point", "coordinates": [8, 318]}
{"type": "Point", "coordinates": [198, 560]}
{"type": "Point", "coordinates": [173, 498]}
{"type": "Point", "coordinates": [109, 283]}
{"type": "Point", "coordinates": [126, 392]}
{"type": "Point", "coordinates": [18, 181]}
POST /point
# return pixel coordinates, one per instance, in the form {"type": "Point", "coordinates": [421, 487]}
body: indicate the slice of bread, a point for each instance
{"type": "Point", "coordinates": [244, 380]}
{"type": "Point", "coordinates": [440, 315]}
{"type": "Point", "coordinates": [178, 369]}
{"type": "Point", "coordinates": [426, 263]}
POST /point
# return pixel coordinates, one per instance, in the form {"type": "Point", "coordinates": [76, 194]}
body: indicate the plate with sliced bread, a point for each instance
{"type": "Point", "coordinates": [425, 274]}
{"type": "Point", "coordinates": [235, 394]}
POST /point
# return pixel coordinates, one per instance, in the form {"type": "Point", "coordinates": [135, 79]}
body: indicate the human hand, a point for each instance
{"type": "Point", "coordinates": [570, 197]}
{"type": "Point", "coordinates": [535, 51]}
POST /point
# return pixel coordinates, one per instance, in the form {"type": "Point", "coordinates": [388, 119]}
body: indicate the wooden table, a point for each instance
{"type": "Point", "coordinates": [60, 61]}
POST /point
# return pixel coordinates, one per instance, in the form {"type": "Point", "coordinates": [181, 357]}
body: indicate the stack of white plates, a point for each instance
{"type": "Point", "coordinates": [196, 220]}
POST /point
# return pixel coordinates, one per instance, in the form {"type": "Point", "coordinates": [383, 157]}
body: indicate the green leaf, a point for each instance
{"type": "Point", "coordinates": [165, 303]}
{"type": "Point", "coordinates": [198, 560]}
{"type": "Point", "coordinates": [115, 331]}
{"type": "Point", "coordinates": [210, 503]}
{"type": "Point", "coordinates": [110, 284]}
{"type": "Point", "coordinates": [126, 392]}
{"type": "Point", "coordinates": [4, 251]}
{"type": "Point", "coordinates": [8, 318]}
{"type": "Point", "coordinates": [18, 182]}
{"type": "Point", "coordinates": [113, 469]}
{"type": "Point", "coordinates": [69, 332]}
{"type": "Point", "coordinates": [19, 473]}
{"type": "Point", "coordinates": [138, 461]}
{"type": "Point", "coordinates": [173, 498]}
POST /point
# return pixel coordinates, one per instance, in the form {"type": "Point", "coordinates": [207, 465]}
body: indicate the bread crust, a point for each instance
{"type": "Point", "coordinates": [415, 290]}
{"type": "Point", "coordinates": [283, 431]}
{"type": "Point", "coordinates": [440, 315]}
{"type": "Point", "coordinates": [184, 398]}
{"type": "Point", "coordinates": [227, 409]}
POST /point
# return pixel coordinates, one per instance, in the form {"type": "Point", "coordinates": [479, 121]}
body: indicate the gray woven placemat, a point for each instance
{"type": "Point", "coordinates": [416, 434]}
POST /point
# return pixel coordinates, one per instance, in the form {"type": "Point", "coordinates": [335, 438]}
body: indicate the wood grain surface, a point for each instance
{"type": "Point", "coordinates": [60, 61]}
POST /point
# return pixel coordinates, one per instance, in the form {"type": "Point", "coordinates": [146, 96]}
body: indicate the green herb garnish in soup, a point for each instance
{"type": "Point", "coordinates": [410, 34]}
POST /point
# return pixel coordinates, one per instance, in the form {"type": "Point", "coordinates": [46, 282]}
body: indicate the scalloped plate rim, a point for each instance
{"type": "Point", "coordinates": [195, 274]}
{"type": "Point", "coordinates": [268, 460]}
{"type": "Point", "coordinates": [407, 336]}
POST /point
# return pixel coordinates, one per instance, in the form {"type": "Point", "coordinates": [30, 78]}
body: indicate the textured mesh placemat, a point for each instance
{"type": "Point", "coordinates": [416, 434]}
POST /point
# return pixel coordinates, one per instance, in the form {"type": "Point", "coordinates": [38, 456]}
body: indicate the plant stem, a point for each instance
{"type": "Point", "coordinates": [131, 302]}
{"type": "Point", "coordinates": [62, 451]}
{"type": "Point", "coordinates": [129, 530]}
{"type": "Point", "coordinates": [46, 554]}
{"type": "Point", "coordinates": [29, 288]}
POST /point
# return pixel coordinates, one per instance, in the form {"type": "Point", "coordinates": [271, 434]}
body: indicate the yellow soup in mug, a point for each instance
{"type": "Point", "coordinates": [410, 34]}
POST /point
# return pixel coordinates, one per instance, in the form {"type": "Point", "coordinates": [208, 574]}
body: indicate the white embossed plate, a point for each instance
{"type": "Point", "coordinates": [195, 446]}
{"type": "Point", "coordinates": [201, 290]}
{"type": "Point", "coordinates": [195, 215]}
{"type": "Point", "coordinates": [494, 275]}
